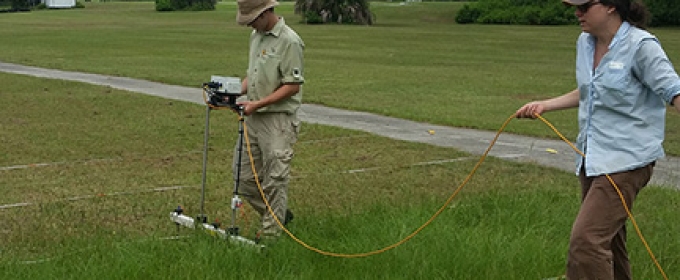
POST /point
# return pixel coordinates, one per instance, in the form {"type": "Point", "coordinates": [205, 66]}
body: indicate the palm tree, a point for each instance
{"type": "Point", "coordinates": [338, 11]}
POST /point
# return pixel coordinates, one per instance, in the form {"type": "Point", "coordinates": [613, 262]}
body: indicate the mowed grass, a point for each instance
{"type": "Point", "coordinates": [414, 63]}
{"type": "Point", "coordinates": [90, 174]}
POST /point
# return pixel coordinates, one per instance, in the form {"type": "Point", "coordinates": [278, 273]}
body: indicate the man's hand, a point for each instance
{"type": "Point", "coordinates": [249, 107]}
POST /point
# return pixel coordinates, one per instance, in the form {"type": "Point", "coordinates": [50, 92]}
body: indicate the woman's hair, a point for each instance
{"type": "Point", "coordinates": [632, 11]}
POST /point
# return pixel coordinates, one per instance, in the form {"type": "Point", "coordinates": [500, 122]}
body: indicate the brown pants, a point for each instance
{"type": "Point", "coordinates": [271, 137]}
{"type": "Point", "coordinates": [597, 248]}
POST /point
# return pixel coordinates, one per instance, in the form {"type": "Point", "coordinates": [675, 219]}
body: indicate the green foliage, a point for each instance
{"type": "Point", "coordinates": [530, 12]}
{"type": "Point", "coordinates": [311, 17]}
{"type": "Point", "coordinates": [551, 12]}
{"type": "Point", "coordinates": [468, 14]}
{"type": "Point", "coordinates": [185, 5]}
{"type": "Point", "coordinates": [164, 6]}
{"type": "Point", "coordinates": [202, 5]}
{"type": "Point", "coordinates": [664, 12]}
{"type": "Point", "coordinates": [338, 11]}
{"type": "Point", "coordinates": [20, 5]}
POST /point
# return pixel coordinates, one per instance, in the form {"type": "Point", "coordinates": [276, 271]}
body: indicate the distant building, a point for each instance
{"type": "Point", "coordinates": [60, 4]}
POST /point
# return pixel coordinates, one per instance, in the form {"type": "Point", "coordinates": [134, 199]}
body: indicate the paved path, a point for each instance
{"type": "Point", "coordinates": [553, 153]}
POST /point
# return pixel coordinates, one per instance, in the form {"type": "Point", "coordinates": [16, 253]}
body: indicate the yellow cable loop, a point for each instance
{"type": "Point", "coordinates": [618, 191]}
{"type": "Point", "coordinates": [366, 254]}
{"type": "Point", "coordinates": [448, 201]}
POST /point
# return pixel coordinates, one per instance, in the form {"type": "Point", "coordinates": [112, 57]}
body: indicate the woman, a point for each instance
{"type": "Point", "coordinates": [624, 82]}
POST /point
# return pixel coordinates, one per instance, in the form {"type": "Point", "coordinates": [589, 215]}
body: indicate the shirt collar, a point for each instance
{"type": "Point", "coordinates": [278, 27]}
{"type": "Point", "coordinates": [620, 34]}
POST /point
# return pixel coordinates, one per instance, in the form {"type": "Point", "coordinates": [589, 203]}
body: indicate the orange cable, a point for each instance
{"type": "Point", "coordinates": [366, 254]}
{"type": "Point", "coordinates": [448, 201]}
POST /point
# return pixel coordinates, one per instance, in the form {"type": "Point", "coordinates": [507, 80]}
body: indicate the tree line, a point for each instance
{"type": "Point", "coordinates": [528, 12]}
{"type": "Point", "coordinates": [551, 12]}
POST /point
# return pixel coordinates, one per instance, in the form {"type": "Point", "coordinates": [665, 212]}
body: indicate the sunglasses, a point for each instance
{"type": "Point", "coordinates": [585, 7]}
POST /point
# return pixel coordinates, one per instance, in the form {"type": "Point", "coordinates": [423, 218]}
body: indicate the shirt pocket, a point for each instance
{"type": "Point", "coordinates": [616, 76]}
{"type": "Point", "coordinates": [269, 68]}
{"type": "Point", "coordinates": [618, 93]}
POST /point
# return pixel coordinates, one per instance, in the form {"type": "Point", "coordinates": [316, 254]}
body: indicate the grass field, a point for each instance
{"type": "Point", "coordinates": [415, 63]}
{"type": "Point", "coordinates": [89, 174]}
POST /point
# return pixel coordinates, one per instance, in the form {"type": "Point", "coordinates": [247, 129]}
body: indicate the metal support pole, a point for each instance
{"type": "Point", "coordinates": [218, 99]}
{"type": "Point", "coordinates": [236, 202]}
{"type": "Point", "coordinates": [201, 217]}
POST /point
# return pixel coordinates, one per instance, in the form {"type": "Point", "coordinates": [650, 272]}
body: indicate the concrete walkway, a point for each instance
{"type": "Point", "coordinates": [553, 153]}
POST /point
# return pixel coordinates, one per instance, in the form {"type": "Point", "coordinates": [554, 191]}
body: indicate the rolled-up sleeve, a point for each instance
{"type": "Point", "coordinates": [656, 71]}
{"type": "Point", "coordinates": [292, 70]}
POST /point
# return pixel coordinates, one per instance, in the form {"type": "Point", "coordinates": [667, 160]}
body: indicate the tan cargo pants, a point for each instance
{"type": "Point", "coordinates": [271, 137]}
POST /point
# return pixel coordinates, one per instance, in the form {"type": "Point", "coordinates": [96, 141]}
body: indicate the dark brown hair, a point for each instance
{"type": "Point", "coordinates": [632, 11]}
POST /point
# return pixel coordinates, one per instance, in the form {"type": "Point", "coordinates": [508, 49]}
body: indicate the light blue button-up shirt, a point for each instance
{"type": "Point", "coordinates": [622, 106]}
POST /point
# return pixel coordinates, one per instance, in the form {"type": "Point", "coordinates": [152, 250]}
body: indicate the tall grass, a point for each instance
{"type": "Point", "coordinates": [100, 169]}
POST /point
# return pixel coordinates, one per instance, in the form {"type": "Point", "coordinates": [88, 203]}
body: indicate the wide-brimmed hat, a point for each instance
{"type": "Point", "coordinates": [249, 10]}
{"type": "Point", "coordinates": [575, 2]}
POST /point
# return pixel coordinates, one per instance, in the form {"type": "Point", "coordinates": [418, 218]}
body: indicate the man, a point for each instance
{"type": "Point", "coordinates": [272, 93]}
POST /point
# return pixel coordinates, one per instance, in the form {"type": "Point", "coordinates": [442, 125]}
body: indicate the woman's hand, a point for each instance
{"type": "Point", "coordinates": [531, 110]}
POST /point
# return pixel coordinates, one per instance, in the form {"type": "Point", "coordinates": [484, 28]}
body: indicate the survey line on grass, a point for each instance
{"type": "Point", "coordinates": [424, 163]}
{"type": "Point", "coordinates": [46, 164]}
{"type": "Point", "coordinates": [368, 169]}
{"type": "Point", "coordinates": [90, 196]}
{"type": "Point", "coordinates": [351, 171]}
{"type": "Point", "coordinates": [87, 161]}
